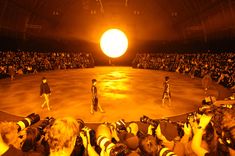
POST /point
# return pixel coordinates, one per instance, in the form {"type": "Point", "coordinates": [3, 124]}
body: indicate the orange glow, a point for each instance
{"type": "Point", "coordinates": [114, 43]}
{"type": "Point", "coordinates": [114, 85]}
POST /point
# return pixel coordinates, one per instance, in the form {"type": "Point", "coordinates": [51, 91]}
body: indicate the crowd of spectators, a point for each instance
{"type": "Point", "coordinates": [209, 131]}
{"type": "Point", "coordinates": [21, 62]}
{"type": "Point", "coordinates": [220, 66]}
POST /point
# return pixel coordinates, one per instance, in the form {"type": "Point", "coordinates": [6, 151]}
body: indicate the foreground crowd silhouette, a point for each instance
{"type": "Point", "coordinates": [220, 66]}
{"type": "Point", "coordinates": [22, 62]}
{"type": "Point", "coordinates": [210, 131]}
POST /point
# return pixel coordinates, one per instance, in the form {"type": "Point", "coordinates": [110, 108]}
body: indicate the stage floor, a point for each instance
{"type": "Point", "coordinates": [124, 93]}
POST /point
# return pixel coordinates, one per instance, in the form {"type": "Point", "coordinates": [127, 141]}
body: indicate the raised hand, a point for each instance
{"type": "Point", "coordinates": [187, 129]}
{"type": "Point", "coordinates": [204, 121]}
{"type": "Point", "coordinates": [84, 139]}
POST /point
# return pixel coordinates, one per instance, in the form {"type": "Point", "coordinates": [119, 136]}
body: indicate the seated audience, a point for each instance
{"type": "Point", "coordinates": [22, 62]}
{"type": "Point", "coordinates": [219, 65]}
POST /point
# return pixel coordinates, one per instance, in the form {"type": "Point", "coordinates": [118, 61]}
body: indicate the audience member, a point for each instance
{"type": "Point", "coordinates": [219, 65]}
{"type": "Point", "coordinates": [61, 136]}
{"type": "Point", "coordinates": [22, 62]}
{"type": "Point", "coordinates": [209, 131]}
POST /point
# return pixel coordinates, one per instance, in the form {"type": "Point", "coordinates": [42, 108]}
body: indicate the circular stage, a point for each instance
{"type": "Point", "coordinates": [124, 93]}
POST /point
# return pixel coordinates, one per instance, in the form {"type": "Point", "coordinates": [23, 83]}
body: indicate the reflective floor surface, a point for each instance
{"type": "Point", "coordinates": [124, 93]}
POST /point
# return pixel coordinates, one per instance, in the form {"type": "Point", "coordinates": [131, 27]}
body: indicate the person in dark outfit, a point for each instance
{"type": "Point", "coordinates": [12, 72]}
{"type": "Point", "coordinates": [45, 92]}
{"type": "Point", "coordinates": [206, 82]}
{"type": "Point", "coordinates": [95, 104]}
{"type": "Point", "coordinates": [166, 92]}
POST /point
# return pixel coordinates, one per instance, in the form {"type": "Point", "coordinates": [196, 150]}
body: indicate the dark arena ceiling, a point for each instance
{"type": "Point", "coordinates": [142, 20]}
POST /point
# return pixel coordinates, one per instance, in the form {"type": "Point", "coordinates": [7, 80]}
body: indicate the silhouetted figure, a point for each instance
{"type": "Point", "coordinates": [12, 72]}
{"type": "Point", "coordinates": [45, 92]}
{"type": "Point", "coordinates": [206, 82]}
{"type": "Point", "coordinates": [95, 104]}
{"type": "Point", "coordinates": [166, 92]}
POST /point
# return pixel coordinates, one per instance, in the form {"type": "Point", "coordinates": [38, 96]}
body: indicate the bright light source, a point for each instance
{"type": "Point", "coordinates": [114, 43]}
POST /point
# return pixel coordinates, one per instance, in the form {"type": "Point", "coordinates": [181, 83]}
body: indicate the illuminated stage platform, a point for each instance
{"type": "Point", "coordinates": [123, 93]}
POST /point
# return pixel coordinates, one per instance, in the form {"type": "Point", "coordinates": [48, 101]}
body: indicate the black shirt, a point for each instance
{"type": "Point", "coordinates": [44, 89]}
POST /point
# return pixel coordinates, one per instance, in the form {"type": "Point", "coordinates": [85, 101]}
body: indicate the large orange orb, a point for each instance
{"type": "Point", "coordinates": [114, 43]}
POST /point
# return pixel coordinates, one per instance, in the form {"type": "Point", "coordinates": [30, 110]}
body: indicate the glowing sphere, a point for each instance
{"type": "Point", "coordinates": [114, 43]}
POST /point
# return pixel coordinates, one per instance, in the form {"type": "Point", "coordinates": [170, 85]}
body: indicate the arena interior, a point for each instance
{"type": "Point", "coordinates": [117, 77]}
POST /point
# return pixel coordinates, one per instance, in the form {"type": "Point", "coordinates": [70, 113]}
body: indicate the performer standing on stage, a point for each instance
{"type": "Point", "coordinates": [95, 104]}
{"type": "Point", "coordinates": [45, 92]}
{"type": "Point", "coordinates": [206, 82]}
{"type": "Point", "coordinates": [166, 92]}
